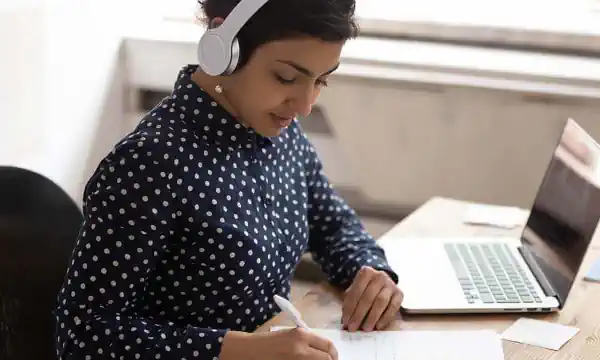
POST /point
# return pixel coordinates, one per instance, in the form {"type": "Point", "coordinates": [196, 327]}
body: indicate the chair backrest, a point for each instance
{"type": "Point", "coordinates": [39, 224]}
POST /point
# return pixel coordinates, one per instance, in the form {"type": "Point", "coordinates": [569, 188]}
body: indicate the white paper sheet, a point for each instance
{"type": "Point", "coordinates": [497, 216]}
{"type": "Point", "coordinates": [539, 333]}
{"type": "Point", "coordinates": [415, 345]}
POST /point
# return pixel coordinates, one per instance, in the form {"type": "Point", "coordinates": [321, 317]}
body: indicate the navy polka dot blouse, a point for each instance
{"type": "Point", "coordinates": [192, 223]}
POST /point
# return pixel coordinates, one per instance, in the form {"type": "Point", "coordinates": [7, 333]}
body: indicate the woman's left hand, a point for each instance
{"type": "Point", "coordinates": [371, 302]}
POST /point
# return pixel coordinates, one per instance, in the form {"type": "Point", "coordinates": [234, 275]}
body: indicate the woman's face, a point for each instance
{"type": "Point", "coordinates": [281, 80]}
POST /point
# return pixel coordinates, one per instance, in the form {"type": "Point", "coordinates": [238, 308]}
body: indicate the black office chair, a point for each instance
{"type": "Point", "coordinates": [39, 224]}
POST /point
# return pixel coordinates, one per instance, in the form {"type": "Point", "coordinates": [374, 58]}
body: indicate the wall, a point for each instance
{"type": "Point", "coordinates": [22, 43]}
{"type": "Point", "coordinates": [60, 87]}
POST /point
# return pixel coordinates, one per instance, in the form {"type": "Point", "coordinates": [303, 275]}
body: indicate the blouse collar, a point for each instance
{"type": "Point", "coordinates": [209, 119]}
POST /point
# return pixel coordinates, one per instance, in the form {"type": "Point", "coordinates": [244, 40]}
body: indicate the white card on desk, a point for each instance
{"type": "Point", "coordinates": [414, 344]}
{"type": "Point", "coordinates": [494, 215]}
{"type": "Point", "coordinates": [539, 333]}
{"type": "Point", "coordinates": [594, 272]}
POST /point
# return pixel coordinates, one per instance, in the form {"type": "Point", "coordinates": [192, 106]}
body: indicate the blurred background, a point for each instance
{"type": "Point", "coordinates": [462, 98]}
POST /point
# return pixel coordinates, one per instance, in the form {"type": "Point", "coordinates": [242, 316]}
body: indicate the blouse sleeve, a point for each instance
{"type": "Point", "coordinates": [129, 214]}
{"type": "Point", "coordinates": [338, 240]}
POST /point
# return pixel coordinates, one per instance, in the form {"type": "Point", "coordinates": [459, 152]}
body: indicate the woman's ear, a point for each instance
{"type": "Point", "coordinates": [215, 22]}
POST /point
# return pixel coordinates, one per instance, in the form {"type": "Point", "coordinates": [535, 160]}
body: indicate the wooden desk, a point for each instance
{"type": "Point", "coordinates": [321, 307]}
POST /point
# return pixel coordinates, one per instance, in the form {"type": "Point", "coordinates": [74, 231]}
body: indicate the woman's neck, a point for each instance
{"type": "Point", "coordinates": [208, 84]}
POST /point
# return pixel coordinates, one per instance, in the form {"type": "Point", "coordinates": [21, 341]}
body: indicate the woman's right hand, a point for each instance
{"type": "Point", "coordinates": [289, 344]}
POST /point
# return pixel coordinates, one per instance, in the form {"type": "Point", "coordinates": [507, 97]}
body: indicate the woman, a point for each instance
{"type": "Point", "coordinates": [199, 216]}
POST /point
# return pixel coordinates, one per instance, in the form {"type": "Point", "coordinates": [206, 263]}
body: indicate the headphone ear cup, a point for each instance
{"type": "Point", "coordinates": [234, 58]}
{"type": "Point", "coordinates": [218, 49]}
{"type": "Point", "coordinates": [214, 54]}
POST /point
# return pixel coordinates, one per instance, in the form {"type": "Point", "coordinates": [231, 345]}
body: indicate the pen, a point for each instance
{"type": "Point", "coordinates": [291, 311]}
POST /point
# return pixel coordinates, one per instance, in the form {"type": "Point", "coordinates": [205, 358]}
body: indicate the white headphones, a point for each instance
{"type": "Point", "coordinates": [218, 49]}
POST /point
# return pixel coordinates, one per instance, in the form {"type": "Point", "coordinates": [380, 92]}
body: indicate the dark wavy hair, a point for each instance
{"type": "Point", "coordinates": [326, 20]}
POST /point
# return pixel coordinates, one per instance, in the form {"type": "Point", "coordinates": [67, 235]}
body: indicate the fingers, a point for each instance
{"type": "Point", "coordinates": [323, 347]}
{"type": "Point", "coordinates": [366, 302]}
{"type": "Point", "coordinates": [314, 354]}
{"type": "Point", "coordinates": [391, 311]}
{"type": "Point", "coordinates": [379, 306]}
{"type": "Point", "coordinates": [372, 301]}
{"type": "Point", "coordinates": [354, 292]}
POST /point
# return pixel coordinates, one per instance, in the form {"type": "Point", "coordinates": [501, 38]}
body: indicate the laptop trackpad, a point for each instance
{"type": "Point", "coordinates": [425, 275]}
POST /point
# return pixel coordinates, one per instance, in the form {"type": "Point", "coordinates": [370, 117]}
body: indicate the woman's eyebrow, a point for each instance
{"type": "Point", "coordinates": [303, 70]}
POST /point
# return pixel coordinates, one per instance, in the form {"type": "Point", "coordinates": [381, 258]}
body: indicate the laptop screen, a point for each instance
{"type": "Point", "coordinates": [566, 210]}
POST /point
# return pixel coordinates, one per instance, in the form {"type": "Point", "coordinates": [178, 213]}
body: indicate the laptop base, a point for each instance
{"type": "Point", "coordinates": [432, 285]}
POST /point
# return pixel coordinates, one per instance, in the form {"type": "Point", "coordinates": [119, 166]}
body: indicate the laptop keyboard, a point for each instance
{"type": "Point", "coordinates": [489, 273]}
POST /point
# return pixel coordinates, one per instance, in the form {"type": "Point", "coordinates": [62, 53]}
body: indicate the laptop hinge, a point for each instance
{"type": "Point", "coordinates": [538, 273]}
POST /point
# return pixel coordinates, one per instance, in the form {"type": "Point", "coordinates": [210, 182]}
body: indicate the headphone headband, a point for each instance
{"type": "Point", "coordinates": [239, 16]}
{"type": "Point", "coordinates": [218, 50]}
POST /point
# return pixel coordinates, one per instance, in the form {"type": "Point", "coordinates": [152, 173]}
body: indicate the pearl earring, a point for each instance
{"type": "Point", "coordinates": [219, 89]}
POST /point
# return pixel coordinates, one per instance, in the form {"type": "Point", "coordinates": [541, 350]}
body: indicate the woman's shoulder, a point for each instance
{"type": "Point", "coordinates": [148, 140]}
{"type": "Point", "coordinates": [159, 133]}
{"type": "Point", "coordinates": [143, 150]}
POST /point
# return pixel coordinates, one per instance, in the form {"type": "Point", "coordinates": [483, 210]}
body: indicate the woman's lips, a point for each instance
{"type": "Point", "coordinates": [282, 121]}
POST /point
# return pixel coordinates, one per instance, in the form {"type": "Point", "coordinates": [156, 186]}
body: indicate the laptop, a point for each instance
{"type": "Point", "coordinates": [530, 273]}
